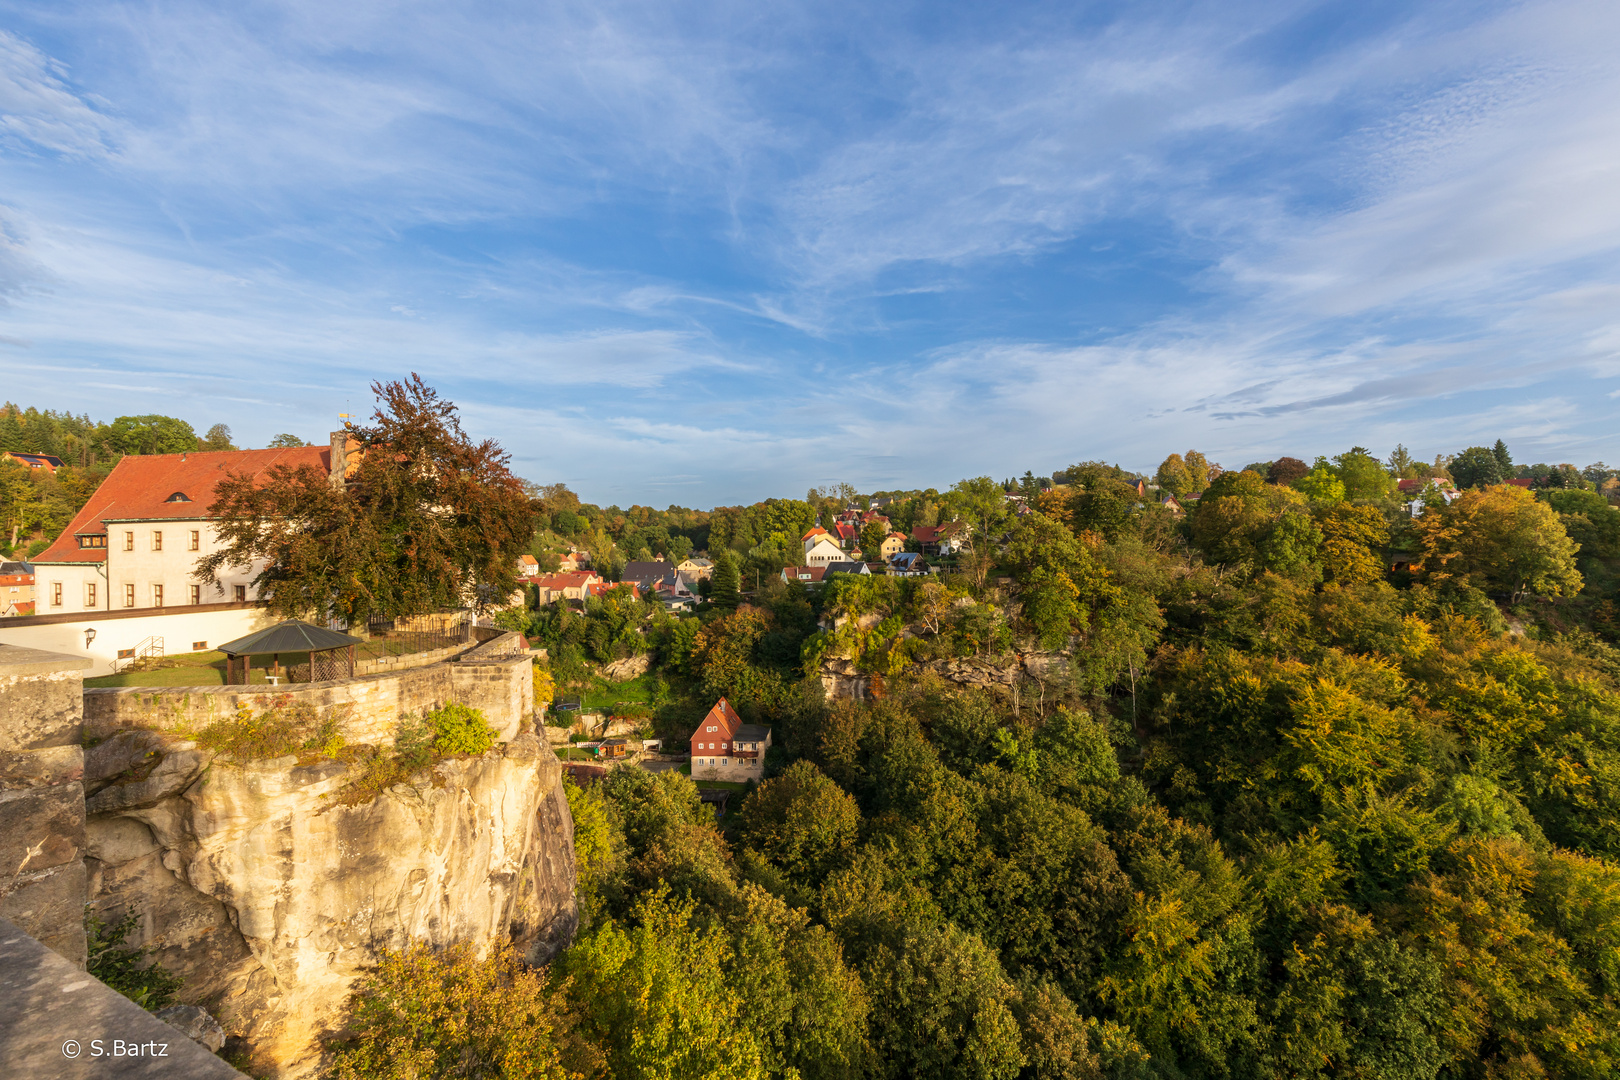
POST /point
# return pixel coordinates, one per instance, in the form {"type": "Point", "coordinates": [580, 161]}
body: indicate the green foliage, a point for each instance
{"type": "Point", "coordinates": [151, 435]}
{"type": "Point", "coordinates": [458, 729]}
{"type": "Point", "coordinates": [285, 727]}
{"type": "Point", "coordinates": [423, 1013]}
{"type": "Point", "coordinates": [127, 969]}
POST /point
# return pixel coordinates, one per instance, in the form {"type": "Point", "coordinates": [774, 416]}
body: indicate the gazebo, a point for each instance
{"type": "Point", "coordinates": [331, 654]}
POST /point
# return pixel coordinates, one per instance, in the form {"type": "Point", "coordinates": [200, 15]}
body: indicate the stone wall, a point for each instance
{"type": "Point", "coordinates": [42, 871]}
{"type": "Point", "coordinates": [502, 688]}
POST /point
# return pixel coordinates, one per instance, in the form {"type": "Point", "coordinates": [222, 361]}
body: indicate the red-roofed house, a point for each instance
{"type": "Point", "coordinates": [47, 462]}
{"type": "Point", "coordinates": [725, 748]}
{"type": "Point", "coordinates": [946, 538]}
{"type": "Point", "coordinates": [564, 585]}
{"type": "Point", "coordinates": [136, 543]}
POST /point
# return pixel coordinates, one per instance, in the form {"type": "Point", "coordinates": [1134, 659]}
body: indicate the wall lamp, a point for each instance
{"type": "Point", "coordinates": [89, 636]}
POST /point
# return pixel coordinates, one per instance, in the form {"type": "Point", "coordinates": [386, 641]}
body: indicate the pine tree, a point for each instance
{"type": "Point", "coordinates": [723, 585]}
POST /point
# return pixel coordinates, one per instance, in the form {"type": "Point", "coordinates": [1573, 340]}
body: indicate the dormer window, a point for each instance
{"type": "Point", "coordinates": [99, 541]}
{"type": "Point", "coordinates": [178, 496]}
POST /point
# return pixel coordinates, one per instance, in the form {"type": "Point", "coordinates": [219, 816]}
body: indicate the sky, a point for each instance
{"type": "Point", "coordinates": [702, 254]}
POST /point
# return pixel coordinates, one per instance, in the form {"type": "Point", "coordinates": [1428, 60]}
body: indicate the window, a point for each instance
{"type": "Point", "coordinates": [129, 596]}
{"type": "Point", "coordinates": [199, 646]}
{"type": "Point", "coordinates": [56, 594]}
{"type": "Point", "coordinates": [157, 596]}
{"type": "Point", "coordinates": [157, 541]}
{"type": "Point", "coordinates": [125, 654]}
{"type": "Point", "coordinates": [90, 595]}
{"type": "Point", "coordinates": [92, 541]}
{"type": "Point", "coordinates": [196, 594]}
{"type": "Point", "coordinates": [196, 539]}
{"type": "Point", "coordinates": [129, 541]}
{"type": "Point", "coordinates": [722, 746]}
{"type": "Point", "coordinates": [241, 594]}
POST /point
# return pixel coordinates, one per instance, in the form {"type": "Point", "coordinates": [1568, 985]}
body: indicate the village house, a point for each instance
{"type": "Point", "coordinates": [648, 575]}
{"type": "Point", "coordinates": [137, 542]}
{"type": "Point", "coordinates": [563, 585]}
{"type": "Point", "coordinates": [695, 569]}
{"type": "Point", "coordinates": [947, 538]}
{"type": "Point", "coordinates": [851, 567]}
{"type": "Point", "coordinates": [46, 462]}
{"type": "Point", "coordinates": [575, 560]}
{"type": "Point", "coordinates": [809, 576]}
{"type": "Point", "coordinates": [725, 748]}
{"type": "Point", "coordinates": [528, 566]}
{"type": "Point", "coordinates": [907, 564]}
{"type": "Point", "coordinates": [820, 549]}
{"type": "Point", "coordinates": [893, 544]}
{"type": "Point", "coordinates": [599, 588]}
{"type": "Point", "coordinates": [16, 588]}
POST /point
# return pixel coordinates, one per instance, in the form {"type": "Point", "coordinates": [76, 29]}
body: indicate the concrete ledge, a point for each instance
{"type": "Point", "coordinates": [18, 660]}
{"type": "Point", "coordinates": [61, 1023]}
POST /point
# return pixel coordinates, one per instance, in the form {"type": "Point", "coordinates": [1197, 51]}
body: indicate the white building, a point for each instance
{"type": "Point", "coordinates": [137, 542]}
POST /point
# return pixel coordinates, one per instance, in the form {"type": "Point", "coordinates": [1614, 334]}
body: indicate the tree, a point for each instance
{"type": "Point", "coordinates": [1402, 464]}
{"type": "Point", "coordinates": [1287, 471]}
{"type": "Point", "coordinates": [872, 534]}
{"type": "Point", "coordinates": [802, 822]}
{"type": "Point", "coordinates": [1501, 539]}
{"type": "Point", "coordinates": [723, 582]}
{"type": "Point", "coordinates": [654, 994]}
{"type": "Point", "coordinates": [1322, 485]}
{"type": "Point", "coordinates": [425, 1013]}
{"type": "Point", "coordinates": [1353, 540]}
{"type": "Point", "coordinates": [1362, 475]}
{"type": "Point", "coordinates": [429, 520]}
{"type": "Point", "coordinates": [1173, 476]}
{"type": "Point", "coordinates": [1477, 467]}
{"type": "Point", "coordinates": [1504, 460]}
{"type": "Point", "coordinates": [285, 440]}
{"type": "Point", "coordinates": [1198, 470]}
{"type": "Point", "coordinates": [151, 434]}
{"type": "Point", "coordinates": [218, 438]}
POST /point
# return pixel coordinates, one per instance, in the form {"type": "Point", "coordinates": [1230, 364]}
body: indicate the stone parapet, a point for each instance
{"type": "Point", "coordinates": [63, 1024]}
{"type": "Point", "coordinates": [372, 704]}
{"type": "Point", "coordinates": [42, 875]}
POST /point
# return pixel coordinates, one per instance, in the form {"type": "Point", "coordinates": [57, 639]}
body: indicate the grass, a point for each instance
{"type": "Point", "coordinates": [604, 695]}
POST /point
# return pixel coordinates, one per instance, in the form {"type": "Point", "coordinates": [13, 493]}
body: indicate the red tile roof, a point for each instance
{"type": "Point", "coordinates": [140, 486]}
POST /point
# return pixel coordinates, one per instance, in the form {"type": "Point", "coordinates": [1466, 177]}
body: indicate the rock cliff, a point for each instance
{"type": "Point", "coordinates": [840, 678]}
{"type": "Point", "coordinates": [271, 897]}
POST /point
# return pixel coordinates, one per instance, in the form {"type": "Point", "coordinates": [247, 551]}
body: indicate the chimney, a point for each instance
{"type": "Point", "coordinates": [339, 458]}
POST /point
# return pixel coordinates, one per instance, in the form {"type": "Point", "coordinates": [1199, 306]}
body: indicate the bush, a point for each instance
{"type": "Point", "coordinates": [284, 728]}
{"type": "Point", "coordinates": [151, 987]}
{"type": "Point", "coordinates": [460, 730]}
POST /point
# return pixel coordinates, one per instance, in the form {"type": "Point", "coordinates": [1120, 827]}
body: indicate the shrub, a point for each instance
{"type": "Point", "coordinates": [284, 728]}
{"type": "Point", "coordinates": [459, 729]}
{"type": "Point", "coordinates": [151, 987]}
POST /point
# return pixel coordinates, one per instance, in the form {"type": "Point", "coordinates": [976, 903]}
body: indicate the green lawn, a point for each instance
{"type": "Point", "coordinates": [604, 695]}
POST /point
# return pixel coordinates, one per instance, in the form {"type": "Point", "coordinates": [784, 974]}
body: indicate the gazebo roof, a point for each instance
{"type": "Point", "coordinates": [291, 636]}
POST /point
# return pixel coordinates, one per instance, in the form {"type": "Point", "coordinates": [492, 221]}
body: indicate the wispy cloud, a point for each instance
{"type": "Point", "coordinates": [761, 245]}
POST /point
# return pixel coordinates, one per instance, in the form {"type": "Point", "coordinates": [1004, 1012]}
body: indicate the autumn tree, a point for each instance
{"type": "Point", "coordinates": [428, 520]}
{"type": "Point", "coordinates": [1478, 466]}
{"type": "Point", "coordinates": [872, 534]}
{"type": "Point", "coordinates": [1500, 539]}
{"type": "Point", "coordinates": [1286, 471]}
{"type": "Point", "coordinates": [1353, 541]}
{"type": "Point", "coordinates": [1173, 477]}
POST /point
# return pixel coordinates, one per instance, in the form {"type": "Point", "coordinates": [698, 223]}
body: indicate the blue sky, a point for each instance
{"type": "Point", "coordinates": [707, 253]}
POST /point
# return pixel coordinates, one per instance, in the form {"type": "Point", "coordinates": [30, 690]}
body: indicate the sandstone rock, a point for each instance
{"type": "Point", "coordinates": [123, 753]}
{"type": "Point", "coordinates": [628, 668]}
{"type": "Point", "coordinates": [196, 1023]}
{"type": "Point", "coordinates": [271, 898]}
{"type": "Point", "coordinates": [170, 774]}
